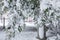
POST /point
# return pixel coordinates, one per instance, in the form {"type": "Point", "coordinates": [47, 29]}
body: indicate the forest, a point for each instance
{"type": "Point", "coordinates": [43, 15]}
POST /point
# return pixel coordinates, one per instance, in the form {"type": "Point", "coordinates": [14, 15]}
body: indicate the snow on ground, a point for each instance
{"type": "Point", "coordinates": [2, 35]}
{"type": "Point", "coordinates": [52, 38]}
{"type": "Point", "coordinates": [29, 33]}
{"type": "Point", "coordinates": [24, 35]}
{"type": "Point", "coordinates": [30, 24]}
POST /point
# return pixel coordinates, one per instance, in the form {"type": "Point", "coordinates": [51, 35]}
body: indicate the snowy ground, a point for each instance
{"type": "Point", "coordinates": [27, 34]}
{"type": "Point", "coordinates": [2, 35]}
{"type": "Point", "coordinates": [30, 24]}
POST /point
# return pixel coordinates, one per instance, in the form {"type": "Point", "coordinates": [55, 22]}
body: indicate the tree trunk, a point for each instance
{"type": "Point", "coordinates": [3, 23]}
{"type": "Point", "coordinates": [41, 33]}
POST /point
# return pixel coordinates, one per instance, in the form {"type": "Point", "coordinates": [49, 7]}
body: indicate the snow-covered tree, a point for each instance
{"type": "Point", "coordinates": [50, 18]}
{"type": "Point", "coordinates": [16, 18]}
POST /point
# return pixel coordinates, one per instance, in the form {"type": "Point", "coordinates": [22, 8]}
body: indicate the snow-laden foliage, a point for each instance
{"type": "Point", "coordinates": [46, 14]}
{"type": "Point", "coordinates": [14, 13]}
{"type": "Point", "coordinates": [50, 10]}
{"type": "Point", "coordinates": [17, 11]}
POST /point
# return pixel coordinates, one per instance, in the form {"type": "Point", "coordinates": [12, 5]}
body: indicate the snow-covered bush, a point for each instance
{"type": "Point", "coordinates": [14, 13]}
{"type": "Point", "coordinates": [50, 11]}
